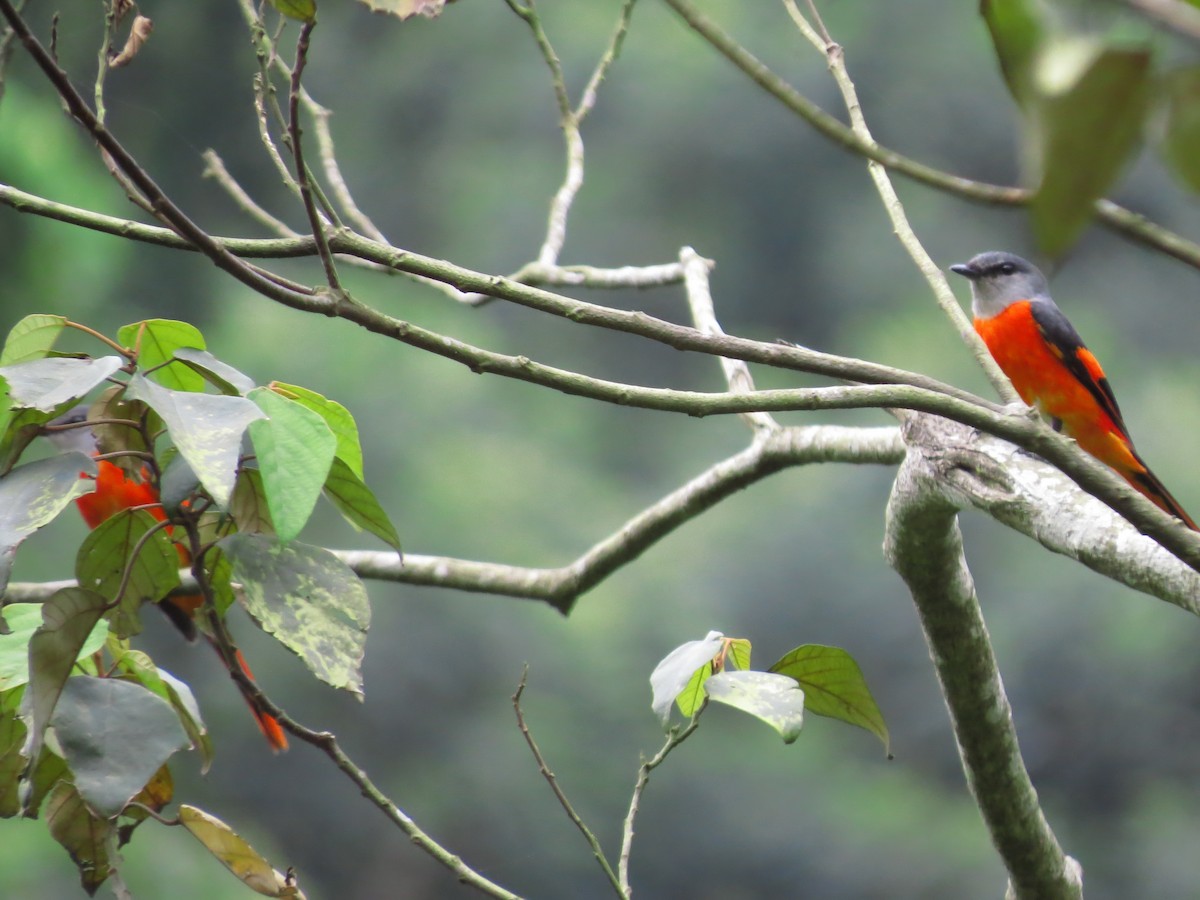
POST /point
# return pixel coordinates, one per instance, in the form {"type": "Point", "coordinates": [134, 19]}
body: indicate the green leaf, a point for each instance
{"type": "Point", "coordinates": [234, 853]}
{"type": "Point", "coordinates": [1088, 122]}
{"type": "Point", "coordinates": [49, 769]}
{"type": "Point", "coordinates": [677, 669]}
{"type": "Point", "coordinates": [115, 735]}
{"type": "Point", "coordinates": [141, 668]}
{"type": "Point", "coordinates": [68, 618]}
{"type": "Point", "coordinates": [108, 550]}
{"type": "Point", "coordinates": [692, 697]}
{"type": "Point", "coordinates": [206, 428]}
{"type": "Point", "coordinates": [294, 448]}
{"type": "Point", "coordinates": [45, 384]}
{"type": "Point", "coordinates": [835, 686]}
{"type": "Point", "coordinates": [224, 377]}
{"type": "Point", "coordinates": [156, 341]}
{"type": "Point", "coordinates": [775, 699]}
{"type": "Point", "coordinates": [84, 836]}
{"type": "Point", "coordinates": [31, 338]}
{"type": "Point", "coordinates": [739, 653]}
{"type": "Point", "coordinates": [1181, 144]}
{"type": "Point", "coordinates": [248, 505]}
{"type": "Point", "coordinates": [25, 619]}
{"type": "Point", "coordinates": [311, 601]}
{"type": "Point", "coordinates": [357, 504]}
{"type": "Point", "coordinates": [1016, 28]}
{"type": "Point", "coordinates": [302, 10]}
{"type": "Point", "coordinates": [32, 495]}
{"type": "Point", "coordinates": [336, 416]}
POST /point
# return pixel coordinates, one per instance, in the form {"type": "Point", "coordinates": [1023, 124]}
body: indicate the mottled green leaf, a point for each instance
{"type": "Point", "coordinates": [311, 601]}
{"type": "Point", "coordinates": [355, 501]}
{"type": "Point", "coordinates": [834, 686]}
{"type": "Point", "coordinates": [677, 669]}
{"type": "Point", "coordinates": [32, 495]}
{"type": "Point", "coordinates": [775, 699]}
{"type": "Point", "coordinates": [31, 338]}
{"type": "Point", "coordinates": [206, 428]}
{"type": "Point", "coordinates": [115, 735]}
{"type": "Point", "coordinates": [156, 341]}
{"type": "Point", "coordinates": [1092, 102]}
{"type": "Point", "coordinates": [46, 384]}
{"type": "Point", "coordinates": [107, 552]}
{"type": "Point", "coordinates": [294, 448]}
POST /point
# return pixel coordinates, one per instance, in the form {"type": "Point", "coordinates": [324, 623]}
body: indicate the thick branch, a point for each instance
{"type": "Point", "coordinates": [924, 545]}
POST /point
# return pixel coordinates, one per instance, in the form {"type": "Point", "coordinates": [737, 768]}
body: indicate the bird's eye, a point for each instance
{"type": "Point", "coordinates": [1007, 268]}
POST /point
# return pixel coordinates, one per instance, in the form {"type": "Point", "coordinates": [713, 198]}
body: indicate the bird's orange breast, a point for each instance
{"type": "Point", "coordinates": [1036, 369]}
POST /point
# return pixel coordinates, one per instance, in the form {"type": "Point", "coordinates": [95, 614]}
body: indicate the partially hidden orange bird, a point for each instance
{"type": "Point", "coordinates": [115, 491]}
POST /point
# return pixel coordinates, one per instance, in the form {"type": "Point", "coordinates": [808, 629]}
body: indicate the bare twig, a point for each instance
{"type": "Point", "coordinates": [1116, 218]}
{"type": "Point", "coordinates": [162, 205]}
{"type": "Point", "coordinates": [560, 795]}
{"type": "Point", "coordinates": [303, 176]}
{"type": "Point", "coordinates": [214, 168]}
{"type": "Point", "coordinates": [932, 273]}
{"type": "Point", "coordinates": [704, 316]}
{"type": "Point", "coordinates": [676, 737]}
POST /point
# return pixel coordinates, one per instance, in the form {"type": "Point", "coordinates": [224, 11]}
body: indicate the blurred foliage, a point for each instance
{"type": "Point", "coordinates": [446, 131]}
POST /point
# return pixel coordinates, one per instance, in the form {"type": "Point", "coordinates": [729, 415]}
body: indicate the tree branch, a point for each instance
{"type": "Point", "coordinates": [1116, 218]}
{"type": "Point", "coordinates": [924, 546]}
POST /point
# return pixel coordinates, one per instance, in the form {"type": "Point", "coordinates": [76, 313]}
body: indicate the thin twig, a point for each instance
{"type": "Point", "coordinates": [704, 317]}
{"type": "Point", "coordinates": [302, 174]}
{"type": "Point", "coordinates": [588, 835]}
{"type": "Point", "coordinates": [162, 205]}
{"type": "Point", "coordinates": [674, 739]}
{"type": "Point", "coordinates": [214, 168]}
{"type": "Point", "coordinates": [1116, 218]}
{"type": "Point", "coordinates": [835, 57]}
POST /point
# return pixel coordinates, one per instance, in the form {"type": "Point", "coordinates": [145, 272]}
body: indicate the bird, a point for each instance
{"type": "Point", "coordinates": [114, 491]}
{"type": "Point", "coordinates": [1040, 351]}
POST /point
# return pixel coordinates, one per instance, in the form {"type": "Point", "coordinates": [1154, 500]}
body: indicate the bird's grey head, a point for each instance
{"type": "Point", "coordinates": [999, 279]}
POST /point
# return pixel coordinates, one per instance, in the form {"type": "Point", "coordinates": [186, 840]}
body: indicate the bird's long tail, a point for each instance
{"type": "Point", "coordinates": [1147, 484]}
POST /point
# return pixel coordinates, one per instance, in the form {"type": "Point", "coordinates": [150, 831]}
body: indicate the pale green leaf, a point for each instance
{"type": "Point", "coordinates": [775, 699]}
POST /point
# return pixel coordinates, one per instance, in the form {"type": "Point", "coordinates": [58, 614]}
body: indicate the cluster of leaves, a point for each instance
{"type": "Point", "coordinates": [824, 680]}
{"type": "Point", "coordinates": [87, 722]}
{"type": "Point", "coordinates": [1091, 81]}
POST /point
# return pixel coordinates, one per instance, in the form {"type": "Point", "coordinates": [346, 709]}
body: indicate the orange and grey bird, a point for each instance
{"type": "Point", "coordinates": [1040, 351]}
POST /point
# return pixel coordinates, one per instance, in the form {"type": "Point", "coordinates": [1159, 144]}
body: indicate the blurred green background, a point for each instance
{"type": "Point", "coordinates": [447, 133]}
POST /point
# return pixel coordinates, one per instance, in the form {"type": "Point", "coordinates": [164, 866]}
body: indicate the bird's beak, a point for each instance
{"type": "Point", "coordinates": [965, 270]}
